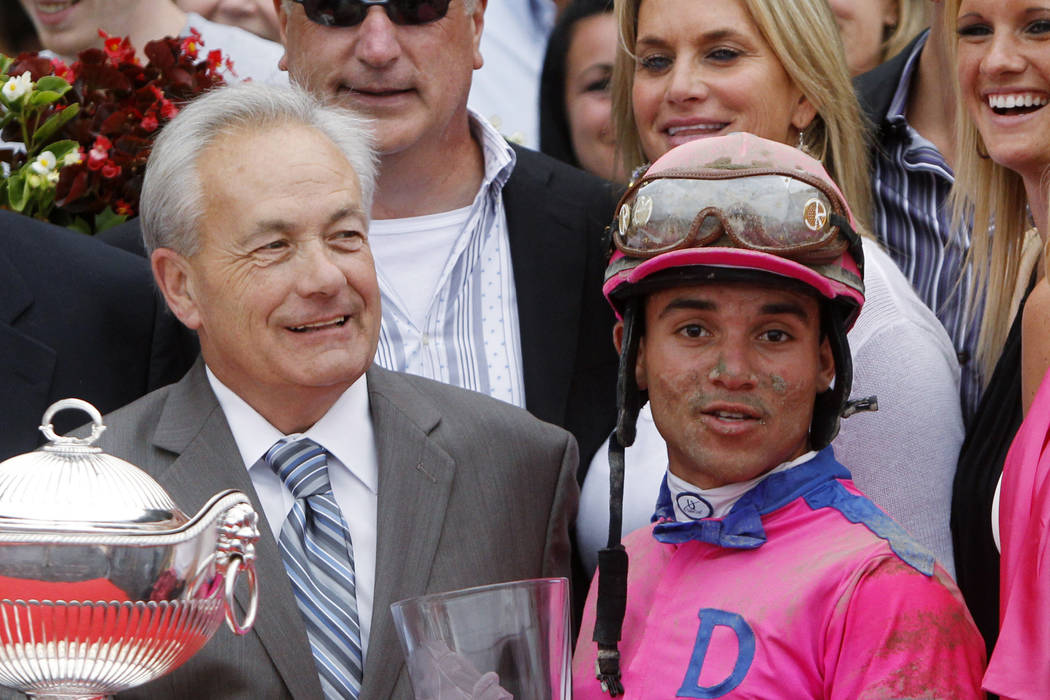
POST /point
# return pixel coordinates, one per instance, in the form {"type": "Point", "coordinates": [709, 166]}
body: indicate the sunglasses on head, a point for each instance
{"type": "Point", "coordinates": [350, 13]}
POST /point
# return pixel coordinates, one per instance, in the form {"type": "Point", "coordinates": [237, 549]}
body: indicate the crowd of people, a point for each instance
{"type": "Point", "coordinates": [733, 313]}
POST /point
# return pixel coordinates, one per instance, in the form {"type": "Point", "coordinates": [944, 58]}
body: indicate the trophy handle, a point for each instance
{"type": "Point", "coordinates": [233, 570]}
{"type": "Point", "coordinates": [238, 533]}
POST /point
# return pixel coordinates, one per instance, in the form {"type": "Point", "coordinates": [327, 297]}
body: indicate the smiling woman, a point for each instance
{"type": "Point", "coordinates": [1003, 54]}
{"type": "Point", "coordinates": [775, 69]}
{"type": "Point", "coordinates": [1003, 69]}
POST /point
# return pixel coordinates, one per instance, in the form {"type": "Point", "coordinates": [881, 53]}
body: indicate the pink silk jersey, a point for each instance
{"type": "Point", "coordinates": [811, 604]}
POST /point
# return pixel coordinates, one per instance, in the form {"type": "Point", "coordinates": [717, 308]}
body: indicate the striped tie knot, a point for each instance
{"type": "Point", "coordinates": [301, 464]}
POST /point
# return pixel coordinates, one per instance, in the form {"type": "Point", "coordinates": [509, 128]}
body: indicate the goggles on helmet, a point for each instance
{"type": "Point", "coordinates": [792, 216]}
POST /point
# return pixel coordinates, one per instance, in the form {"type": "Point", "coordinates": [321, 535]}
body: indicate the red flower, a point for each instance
{"type": "Point", "coordinates": [99, 153]}
{"type": "Point", "coordinates": [190, 44]}
{"type": "Point", "coordinates": [122, 105]}
{"type": "Point", "coordinates": [168, 110]}
{"type": "Point", "coordinates": [63, 71]}
{"type": "Point", "coordinates": [118, 50]}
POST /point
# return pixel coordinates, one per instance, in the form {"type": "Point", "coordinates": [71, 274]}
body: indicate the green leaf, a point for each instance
{"type": "Point", "coordinates": [42, 98]}
{"type": "Point", "coordinates": [55, 122]}
{"type": "Point", "coordinates": [60, 149]}
{"type": "Point", "coordinates": [54, 84]}
{"type": "Point", "coordinates": [108, 218]}
{"type": "Point", "coordinates": [5, 63]}
{"type": "Point", "coordinates": [17, 191]}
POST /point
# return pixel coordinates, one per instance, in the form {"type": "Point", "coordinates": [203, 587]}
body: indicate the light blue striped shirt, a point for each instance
{"type": "Point", "coordinates": [469, 335]}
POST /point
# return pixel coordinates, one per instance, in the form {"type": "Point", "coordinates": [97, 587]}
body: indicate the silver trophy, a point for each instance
{"type": "Point", "coordinates": [104, 583]}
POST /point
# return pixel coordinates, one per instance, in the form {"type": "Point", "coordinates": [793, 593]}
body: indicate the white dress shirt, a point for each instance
{"type": "Point", "coordinates": [470, 336]}
{"type": "Point", "coordinates": [353, 468]}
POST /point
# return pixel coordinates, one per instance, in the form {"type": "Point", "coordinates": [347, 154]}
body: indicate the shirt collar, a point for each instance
{"type": "Point", "coordinates": [345, 430]}
{"type": "Point", "coordinates": [499, 157]}
{"type": "Point", "coordinates": [742, 527]}
{"type": "Point", "coordinates": [693, 503]}
{"type": "Point", "coordinates": [895, 114]}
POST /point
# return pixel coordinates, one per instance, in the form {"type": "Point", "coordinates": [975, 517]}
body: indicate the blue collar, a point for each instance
{"type": "Point", "coordinates": [742, 527]}
{"type": "Point", "coordinates": [817, 482]}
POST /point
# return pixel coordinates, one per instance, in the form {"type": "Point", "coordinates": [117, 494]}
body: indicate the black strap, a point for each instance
{"type": "Point", "coordinates": [611, 605]}
{"type": "Point", "coordinates": [612, 581]}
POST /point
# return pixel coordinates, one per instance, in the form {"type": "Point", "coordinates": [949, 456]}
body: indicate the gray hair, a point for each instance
{"type": "Point", "coordinates": [172, 201]}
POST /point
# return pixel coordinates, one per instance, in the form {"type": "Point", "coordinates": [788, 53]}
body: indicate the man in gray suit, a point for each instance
{"type": "Point", "coordinates": [255, 214]}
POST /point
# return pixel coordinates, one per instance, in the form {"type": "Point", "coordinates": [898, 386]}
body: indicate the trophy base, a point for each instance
{"type": "Point", "coordinates": [69, 651]}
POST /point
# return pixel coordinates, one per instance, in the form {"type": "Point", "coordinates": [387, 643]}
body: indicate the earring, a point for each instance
{"type": "Point", "coordinates": [802, 145]}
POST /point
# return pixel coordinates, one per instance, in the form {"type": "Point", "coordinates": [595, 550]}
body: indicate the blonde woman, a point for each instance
{"type": "Point", "coordinates": [803, 40]}
{"type": "Point", "coordinates": [776, 68]}
{"type": "Point", "coordinates": [1002, 56]}
{"type": "Point", "coordinates": [1003, 68]}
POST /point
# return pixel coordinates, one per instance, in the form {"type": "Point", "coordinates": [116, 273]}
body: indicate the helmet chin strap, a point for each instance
{"type": "Point", "coordinates": [612, 560]}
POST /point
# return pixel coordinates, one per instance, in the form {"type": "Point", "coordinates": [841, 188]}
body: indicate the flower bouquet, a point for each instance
{"type": "Point", "coordinates": [74, 139]}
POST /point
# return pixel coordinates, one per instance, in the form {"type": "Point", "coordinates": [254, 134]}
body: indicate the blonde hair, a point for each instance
{"type": "Point", "coordinates": [995, 197]}
{"type": "Point", "coordinates": [911, 19]}
{"type": "Point", "coordinates": [805, 39]}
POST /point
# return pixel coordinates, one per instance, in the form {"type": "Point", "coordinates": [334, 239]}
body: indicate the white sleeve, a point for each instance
{"type": "Point", "coordinates": [904, 455]}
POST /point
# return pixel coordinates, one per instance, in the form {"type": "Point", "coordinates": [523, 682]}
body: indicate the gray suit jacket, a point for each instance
{"type": "Point", "coordinates": [471, 491]}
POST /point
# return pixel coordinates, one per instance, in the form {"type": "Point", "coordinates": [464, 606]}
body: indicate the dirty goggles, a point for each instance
{"type": "Point", "coordinates": [792, 216]}
{"type": "Point", "coordinates": [350, 13]}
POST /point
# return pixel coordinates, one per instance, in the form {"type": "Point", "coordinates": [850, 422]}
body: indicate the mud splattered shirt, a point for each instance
{"type": "Point", "coordinates": [805, 589]}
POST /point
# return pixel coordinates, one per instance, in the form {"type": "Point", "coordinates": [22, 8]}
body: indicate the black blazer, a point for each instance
{"type": "Point", "coordinates": [77, 319]}
{"type": "Point", "coordinates": [556, 220]}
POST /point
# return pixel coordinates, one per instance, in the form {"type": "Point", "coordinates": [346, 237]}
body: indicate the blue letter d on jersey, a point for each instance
{"type": "Point", "coordinates": [709, 619]}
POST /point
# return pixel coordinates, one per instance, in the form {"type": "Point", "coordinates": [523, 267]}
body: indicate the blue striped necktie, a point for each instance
{"type": "Point", "coordinates": [319, 558]}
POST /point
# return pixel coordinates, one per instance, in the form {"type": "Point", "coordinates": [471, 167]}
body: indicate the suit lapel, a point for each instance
{"type": "Point", "coordinates": [549, 287]}
{"type": "Point", "coordinates": [26, 367]}
{"type": "Point", "coordinates": [193, 426]}
{"type": "Point", "coordinates": [415, 480]}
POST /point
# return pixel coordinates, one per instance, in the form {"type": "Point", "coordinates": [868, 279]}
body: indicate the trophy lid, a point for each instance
{"type": "Point", "coordinates": [71, 485]}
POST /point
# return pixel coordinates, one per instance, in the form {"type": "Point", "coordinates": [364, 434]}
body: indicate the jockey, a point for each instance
{"type": "Point", "coordinates": [766, 573]}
